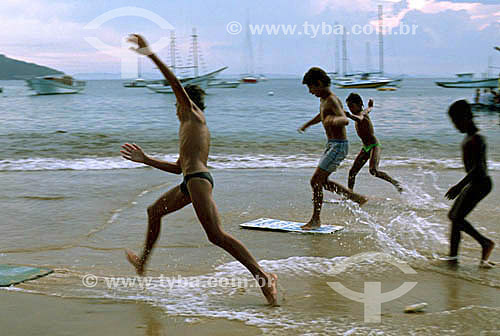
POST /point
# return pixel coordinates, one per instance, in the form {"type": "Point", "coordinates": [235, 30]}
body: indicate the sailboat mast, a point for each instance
{"type": "Point", "coordinates": [337, 52]}
{"type": "Point", "coordinates": [139, 67]}
{"type": "Point", "coordinates": [195, 52]}
{"type": "Point", "coordinates": [368, 57]}
{"type": "Point", "coordinates": [172, 50]}
{"type": "Point", "coordinates": [380, 40]}
{"type": "Point", "coordinates": [344, 53]}
{"type": "Point", "coordinates": [250, 47]}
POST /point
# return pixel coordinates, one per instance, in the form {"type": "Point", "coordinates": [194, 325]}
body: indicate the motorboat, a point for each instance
{"type": "Point", "coordinates": [467, 80]}
{"type": "Point", "coordinates": [47, 85]}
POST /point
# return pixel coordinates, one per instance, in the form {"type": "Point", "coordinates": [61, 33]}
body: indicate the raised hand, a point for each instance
{"type": "Point", "coordinates": [370, 103]}
{"type": "Point", "coordinates": [133, 153]}
{"type": "Point", "coordinates": [142, 44]}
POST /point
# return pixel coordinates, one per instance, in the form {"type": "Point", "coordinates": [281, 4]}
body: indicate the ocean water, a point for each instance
{"type": "Point", "coordinates": [250, 129]}
{"type": "Point", "coordinates": [69, 202]}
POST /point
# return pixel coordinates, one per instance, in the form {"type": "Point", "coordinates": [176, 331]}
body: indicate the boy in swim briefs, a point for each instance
{"type": "Point", "coordinates": [371, 147]}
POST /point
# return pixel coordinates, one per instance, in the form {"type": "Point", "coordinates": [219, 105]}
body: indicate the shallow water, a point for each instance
{"type": "Point", "coordinates": [70, 203]}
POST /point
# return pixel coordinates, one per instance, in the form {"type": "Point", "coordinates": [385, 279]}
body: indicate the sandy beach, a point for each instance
{"type": "Point", "coordinates": [413, 227]}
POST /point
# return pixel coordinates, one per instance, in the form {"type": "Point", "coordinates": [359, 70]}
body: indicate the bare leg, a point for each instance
{"type": "Point", "coordinates": [171, 201]}
{"type": "Point", "coordinates": [206, 210]}
{"type": "Point", "coordinates": [341, 190]}
{"type": "Point", "coordinates": [374, 162]}
{"type": "Point", "coordinates": [359, 162]}
{"type": "Point", "coordinates": [464, 204]}
{"type": "Point", "coordinates": [320, 181]}
{"type": "Point", "coordinates": [317, 179]}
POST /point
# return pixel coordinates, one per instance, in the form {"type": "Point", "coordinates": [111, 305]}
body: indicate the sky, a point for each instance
{"type": "Point", "coordinates": [450, 36]}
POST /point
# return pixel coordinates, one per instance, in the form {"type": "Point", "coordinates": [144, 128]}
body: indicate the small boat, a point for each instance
{"type": "Point", "coordinates": [48, 85]}
{"type": "Point", "coordinates": [223, 84]}
{"type": "Point", "coordinates": [137, 83]}
{"type": "Point", "coordinates": [467, 80]}
{"type": "Point", "coordinates": [201, 81]}
{"type": "Point", "coordinates": [250, 79]}
{"type": "Point", "coordinates": [363, 82]}
{"type": "Point", "coordinates": [389, 88]}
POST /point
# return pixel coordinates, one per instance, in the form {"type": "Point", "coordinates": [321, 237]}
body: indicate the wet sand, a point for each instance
{"type": "Point", "coordinates": [79, 223]}
{"type": "Point", "coordinates": [31, 314]}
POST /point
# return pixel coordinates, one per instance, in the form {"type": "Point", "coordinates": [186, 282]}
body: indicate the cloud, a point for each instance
{"type": "Point", "coordinates": [484, 2]}
{"type": "Point", "coordinates": [481, 12]}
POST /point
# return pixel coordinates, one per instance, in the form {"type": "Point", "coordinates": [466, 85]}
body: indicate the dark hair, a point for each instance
{"type": "Point", "coordinates": [460, 109]}
{"type": "Point", "coordinates": [314, 75]}
{"type": "Point", "coordinates": [196, 94]}
{"type": "Point", "coordinates": [354, 98]}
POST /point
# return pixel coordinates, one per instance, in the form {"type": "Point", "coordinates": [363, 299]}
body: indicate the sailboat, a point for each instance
{"type": "Point", "coordinates": [202, 81]}
{"type": "Point", "coordinates": [138, 82]}
{"type": "Point", "coordinates": [250, 77]}
{"type": "Point", "coordinates": [222, 84]}
{"type": "Point", "coordinates": [367, 80]}
{"type": "Point", "coordinates": [196, 79]}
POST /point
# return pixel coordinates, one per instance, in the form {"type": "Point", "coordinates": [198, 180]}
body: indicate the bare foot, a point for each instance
{"type": "Point", "coordinates": [487, 251]}
{"type": "Point", "coordinates": [452, 261]}
{"type": "Point", "coordinates": [360, 199]}
{"type": "Point", "coordinates": [135, 261]}
{"type": "Point", "coordinates": [312, 224]}
{"type": "Point", "coordinates": [487, 264]}
{"type": "Point", "coordinates": [270, 289]}
{"type": "Point", "coordinates": [363, 200]}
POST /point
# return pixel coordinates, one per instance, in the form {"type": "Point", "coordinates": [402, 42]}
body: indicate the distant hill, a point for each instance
{"type": "Point", "coordinates": [14, 69]}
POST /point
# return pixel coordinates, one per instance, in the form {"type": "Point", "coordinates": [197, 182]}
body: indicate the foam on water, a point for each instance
{"type": "Point", "coordinates": [399, 228]}
{"type": "Point", "coordinates": [185, 297]}
{"type": "Point", "coordinates": [250, 161]}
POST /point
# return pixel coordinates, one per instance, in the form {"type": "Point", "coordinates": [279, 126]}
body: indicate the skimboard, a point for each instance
{"type": "Point", "coordinates": [287, 226]}
{"type": "Point", "coordinates": [14, 274]}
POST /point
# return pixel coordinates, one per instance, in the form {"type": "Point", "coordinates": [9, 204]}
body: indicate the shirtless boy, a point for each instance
{"type": "Point", "coordinates": [332, 116]}
{"type": "Point", "coordinates": [196, 188]}
{"type": "Point", "coordinates": [473, 187]}
{"type": "Point", "coordinates": [371, 146]}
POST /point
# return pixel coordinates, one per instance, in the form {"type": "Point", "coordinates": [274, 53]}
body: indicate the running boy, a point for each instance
{"type": "Point", "coordinates": [196, 187]}
{"type": "Point", "coordinates": [473, 187]}
{"type": "Point", "coordinates": [332, 116]}
{"type": "Point", "coordinates": [371, 146]}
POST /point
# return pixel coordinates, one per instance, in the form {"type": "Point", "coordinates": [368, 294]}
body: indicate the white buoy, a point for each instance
{"type": "Point", "coordinates": [270, 93]}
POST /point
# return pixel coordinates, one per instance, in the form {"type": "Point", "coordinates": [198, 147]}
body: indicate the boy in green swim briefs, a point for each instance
{"type": "Point", "coordinates": [371, 147]}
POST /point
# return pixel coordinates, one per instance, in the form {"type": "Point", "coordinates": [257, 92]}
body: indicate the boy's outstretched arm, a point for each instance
{"type": "Point", "coordinates": [143, 49]}
{"type": "Point", "coordinates": [313, 121]}
{"type": "Point", "coordinates": [353, 116]}
{"type": "Point", "coordinates": [133, 152]}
